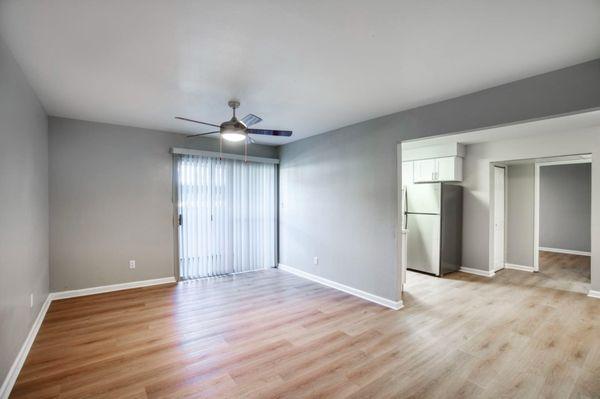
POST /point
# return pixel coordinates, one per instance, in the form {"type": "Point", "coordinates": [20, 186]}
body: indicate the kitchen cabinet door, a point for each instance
{"type": "Point", "coordinates": [407, 173]}
{"type": "Point", "coordinates": [449, 169]}
{"type": "Point", "coordinates": [424, 170]}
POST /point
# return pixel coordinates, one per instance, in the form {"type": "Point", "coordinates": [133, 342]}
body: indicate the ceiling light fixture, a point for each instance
{"type": "Point", "coordinates": [233, 134]}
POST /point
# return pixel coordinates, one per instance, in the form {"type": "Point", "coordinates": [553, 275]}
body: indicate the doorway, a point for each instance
{"type": "Point", "coordinates": [562, 226]}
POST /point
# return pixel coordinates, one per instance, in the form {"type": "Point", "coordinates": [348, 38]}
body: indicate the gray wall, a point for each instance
{"type": "Point", "coordinates": [339, 189]}
{"type": "Point", "coordinates": [110, 201]}
{"type": "Point", "coordinates": [565, 206]}
{"type": "Point", "coordinates": [520, 191]}
{"type": "Point", "coordinates": [24, 210]}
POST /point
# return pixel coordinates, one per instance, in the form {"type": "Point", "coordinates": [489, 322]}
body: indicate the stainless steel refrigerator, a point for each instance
{"type": "Point", "coordinates": [433, 218]}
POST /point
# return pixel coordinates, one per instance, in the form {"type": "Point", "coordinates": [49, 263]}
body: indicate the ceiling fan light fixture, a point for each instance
{"type": "Point", "coordinates": [233, 135]}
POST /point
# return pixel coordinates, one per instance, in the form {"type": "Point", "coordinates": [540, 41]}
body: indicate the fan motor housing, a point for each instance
{"type": "Point", "coordinates": [233, 124]}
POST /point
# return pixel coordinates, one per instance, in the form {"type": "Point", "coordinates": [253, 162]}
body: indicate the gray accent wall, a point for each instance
{"type": "Point", "coordinates": [565, 206]}
{"type": "Point", "coordinates": [23, 208]}
{"type": "Point", "coordinates": [111, 201]}
{"type": "Point", "coordinates": [520, 203]}
{"type": "Point", "coordinates": [338, 190]}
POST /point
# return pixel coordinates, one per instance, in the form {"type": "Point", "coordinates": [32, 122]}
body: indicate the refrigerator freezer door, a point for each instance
{"type": "Point", "coordinates": [423, 198]}
{"type": "Point", "coordinates": [423, 243]}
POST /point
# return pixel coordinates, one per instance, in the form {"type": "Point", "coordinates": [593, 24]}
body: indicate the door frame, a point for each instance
{"type": "Point", "coordinates": [536, 207]}
{"type": "Point", "coordinates": [175, 203]}
{"type": "Point", "coordinates": [493, 268]}
{"type": "Point", "coordinates": [400, 231]}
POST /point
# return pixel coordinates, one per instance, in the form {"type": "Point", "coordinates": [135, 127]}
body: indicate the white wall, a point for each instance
{"type": "Point", "coordinates": [477, 201]}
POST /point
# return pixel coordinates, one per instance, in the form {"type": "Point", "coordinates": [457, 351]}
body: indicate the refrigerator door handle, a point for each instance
{"type": "Point", "coordinates": [405, 199]}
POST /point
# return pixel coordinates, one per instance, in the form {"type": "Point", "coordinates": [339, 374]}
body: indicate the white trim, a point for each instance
{"type": "Point", "coordinates": [492, 254]}
{"type": "Point", "coordinates": [400, 238]}
{"type": "Point", "coordinates": [478, 272]}
{"type": "Point", "coordinates": [349, 290]}
{"type": "Point", "coordinates": [588, 159]}
{"type": "Point", "coordinates": [110, 288]}
{"type": "Point", "coordinates": [594, 294]}
{"type": "Point", "coordinates": [15, 369]}
{"type": "Point", "coordinates": [519, 267]}
{"type": "Point", "coordinates": [536, 218]}
{"type": "Point", "coordinates": [212, 154]}
{"type": "Point", "coordinates": [566, 251]}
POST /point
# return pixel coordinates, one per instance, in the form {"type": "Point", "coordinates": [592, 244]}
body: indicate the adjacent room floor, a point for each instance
{"type": "Point", "coordinates": [272, 334]}
{"type": "Point", "coordinates": [565, 272]}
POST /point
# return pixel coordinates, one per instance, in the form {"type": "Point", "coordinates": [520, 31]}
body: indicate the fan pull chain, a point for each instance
{"type": "Point", "coordinates": [246, 151]}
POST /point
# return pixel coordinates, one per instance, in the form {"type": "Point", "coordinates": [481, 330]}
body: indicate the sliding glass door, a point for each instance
{"type": "Point", "coordinates": [227, 216]}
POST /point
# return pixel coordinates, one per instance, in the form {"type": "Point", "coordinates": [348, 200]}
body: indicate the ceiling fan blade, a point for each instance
{"type": "Point", "coordinates": [191, 120]}
{"type": "Point", "coordinates": [269, 132]}
{"type": "Point", "coordinates": [202, 134]}
{"type": "Point", "coordinates": [251, 119]}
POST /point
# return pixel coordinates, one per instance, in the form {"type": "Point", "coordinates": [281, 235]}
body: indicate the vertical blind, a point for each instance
{"type": "Point", "coordinates": [227, 216]}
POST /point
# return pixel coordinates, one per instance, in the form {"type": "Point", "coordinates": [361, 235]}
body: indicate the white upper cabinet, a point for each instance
{"type": "Point", "coordinates": [449, 169]}
{"type": "Point", "coordinates": [407, 173]}
{"type": "Point", "coordinates": [433, 163]}
{"type": "Point", "coordinates": [438, 169]}
{"type": "Point", "coordinates": [424, 170]}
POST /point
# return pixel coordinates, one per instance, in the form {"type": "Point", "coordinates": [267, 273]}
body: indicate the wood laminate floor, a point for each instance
{"type": "Point", "coordinates": [564, 271]}
{"type": "Point", "coordinates": [271, 334]}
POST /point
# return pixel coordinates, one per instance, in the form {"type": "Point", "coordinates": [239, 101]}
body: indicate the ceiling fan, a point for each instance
{"type": "Point", "coordinates": [238, 129]}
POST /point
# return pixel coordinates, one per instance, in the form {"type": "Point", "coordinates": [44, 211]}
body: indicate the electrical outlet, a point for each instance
{"type": "Point", "coordinates": [30, 300]}
{"type": "Point", "coordinates": [132, 264]}
{"type": "Point", "coordinates": [316, 260]}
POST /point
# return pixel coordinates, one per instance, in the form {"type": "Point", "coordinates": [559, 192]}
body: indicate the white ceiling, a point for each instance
{"type": "Point", "coordinates": [309, 66]}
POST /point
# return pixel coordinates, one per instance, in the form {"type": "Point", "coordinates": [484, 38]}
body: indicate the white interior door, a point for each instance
{"type": "Point", "coordinates": [499, 217]}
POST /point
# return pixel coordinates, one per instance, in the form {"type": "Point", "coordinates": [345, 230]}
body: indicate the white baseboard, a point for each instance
{"type": "Point", "coordinates": [478, 272]}
{"type": "Point", "coordinates": [15, 369]}
{"type": "Point", "coordinates": [519, 267]}
{"type": "Point", "coordinates": [565, 251]}
{"type": "Point", "coordinates": [111, 288]}
{"type": "Point", "coordinates": [594, 294]}
{"type": "Point", "coordinates": [13, 373]}
{"type": "Point", "coordinates": [347, 289]}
